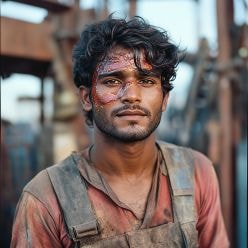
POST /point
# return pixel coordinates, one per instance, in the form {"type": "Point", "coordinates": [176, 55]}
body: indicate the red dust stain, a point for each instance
{"type": "Point", "coordinates": [118, 59]}
{"type": "Point", "coordinates": [105, 98]}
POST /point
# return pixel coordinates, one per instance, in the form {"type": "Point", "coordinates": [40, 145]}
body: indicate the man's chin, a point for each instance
{"type": "Point", "coordinates": [126, 132]}
{"type": "Point", "coordinates": [129, 136]}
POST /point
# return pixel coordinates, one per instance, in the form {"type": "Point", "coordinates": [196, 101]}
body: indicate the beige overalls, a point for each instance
{"type": "Point", "coordinates": [82, 224]}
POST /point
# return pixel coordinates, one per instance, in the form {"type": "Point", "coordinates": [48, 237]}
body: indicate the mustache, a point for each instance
{"type": "Point", "coordinates": [130, 107]}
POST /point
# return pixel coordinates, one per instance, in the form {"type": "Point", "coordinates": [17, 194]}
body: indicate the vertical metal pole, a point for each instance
{"type": "Point", "coordinates": [225, 19]}
{"type": "Point", "coordinates": [132, 8]}
{"type": "Point", "coordinates": [42, 114]}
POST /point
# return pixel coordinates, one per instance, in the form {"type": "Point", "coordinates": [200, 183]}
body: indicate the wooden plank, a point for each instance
{"type": "Point", "coordinates": [224, 22]}
{"type": "Point", "coordinates": [132, 8]}
{"type": "Point", "coordinates": [51, 5]}
{"type": "Point", "coordinates": [25, 40]}
{"type": "Point", "coordinates": [11, 65]}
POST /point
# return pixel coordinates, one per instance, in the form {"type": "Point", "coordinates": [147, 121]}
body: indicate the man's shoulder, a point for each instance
{"type": "Point", "coordinates": [198, 158]}
{"type": "Point", "coordinates": [173, 147]}
{"type": "Point", "coordinates": [40, 186]}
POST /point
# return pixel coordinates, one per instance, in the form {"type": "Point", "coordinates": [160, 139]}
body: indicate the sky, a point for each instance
{"type": "Point", "coordinates": [185, 20]}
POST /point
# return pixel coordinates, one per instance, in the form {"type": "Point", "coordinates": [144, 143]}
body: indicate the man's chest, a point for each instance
{"type": "Point", "coordinates": [134, 195]}
{"type": "Point", "coordinates": [115, 218]}
{"type": "Point", "coordinates": [149, 207]}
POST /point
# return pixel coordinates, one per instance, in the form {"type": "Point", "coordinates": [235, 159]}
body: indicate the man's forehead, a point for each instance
{"type": "Point", "coordinates": [119, 51]}
{"type": "Point", "coordinates": [119, 56]}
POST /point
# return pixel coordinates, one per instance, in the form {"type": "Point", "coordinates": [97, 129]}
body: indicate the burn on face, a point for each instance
{"type": "Point", "coordinates": [117, 59]}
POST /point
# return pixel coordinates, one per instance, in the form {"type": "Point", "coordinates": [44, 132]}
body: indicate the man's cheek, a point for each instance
{"type": "Point", "coordinates": [101, 98]}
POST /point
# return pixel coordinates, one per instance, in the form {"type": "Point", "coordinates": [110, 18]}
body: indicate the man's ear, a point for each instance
{"type": "Point", "coordinates": [84, 95]}
{"type": "Point", "coordinates": [165, 101]}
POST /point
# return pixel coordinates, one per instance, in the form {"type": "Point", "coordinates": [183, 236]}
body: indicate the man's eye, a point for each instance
{"type": "Point", "coordinates": [147, 82]}
{"type": "Point", "coordinates": [112, 82]}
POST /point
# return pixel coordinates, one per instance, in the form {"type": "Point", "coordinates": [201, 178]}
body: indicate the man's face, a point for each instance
{"type": "Point", "coordinates": [127, 104]}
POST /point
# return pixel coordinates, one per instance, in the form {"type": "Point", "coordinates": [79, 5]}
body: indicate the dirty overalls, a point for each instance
{"type": "Point", "coordinates": [82, 224]}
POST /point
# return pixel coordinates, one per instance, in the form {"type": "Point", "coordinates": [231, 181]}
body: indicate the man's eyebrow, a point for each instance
{"type": "Point", "coordinates": [148, 73]}
{"type": "Point", "coordinates": [121, 74]}
{"type": "Point", "coordinates": [118, 74]}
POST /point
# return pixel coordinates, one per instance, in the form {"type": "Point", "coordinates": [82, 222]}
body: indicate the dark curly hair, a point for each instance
{"type": "Point", "coordinates": [135, 34]}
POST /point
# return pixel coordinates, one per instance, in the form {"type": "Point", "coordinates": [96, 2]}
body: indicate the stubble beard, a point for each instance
{"type": "Point", "coordinates": [132, 133]}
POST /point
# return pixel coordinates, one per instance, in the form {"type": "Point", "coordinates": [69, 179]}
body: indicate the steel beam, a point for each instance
{"type": "Point", "coordinates": [51, 5]}
{"type": "Point", "coordinates": [224, 22]}
{"type": "Point", "coordinates": [25, 40]}
{"type": "Point", "coordinates": [25, 47]}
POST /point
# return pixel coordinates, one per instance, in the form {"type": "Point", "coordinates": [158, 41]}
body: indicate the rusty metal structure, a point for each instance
{"type": "Point", "coordinates": [214, 119]}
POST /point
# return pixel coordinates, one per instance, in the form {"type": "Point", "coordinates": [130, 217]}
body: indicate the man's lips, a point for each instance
{"type": "Point", "coordinates": [130, 112]}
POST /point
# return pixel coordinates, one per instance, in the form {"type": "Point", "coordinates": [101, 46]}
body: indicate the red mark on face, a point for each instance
{"type": "Point", "coordinates": [119, 59]}
{"type": "Point", "coordinates": [100, 97]}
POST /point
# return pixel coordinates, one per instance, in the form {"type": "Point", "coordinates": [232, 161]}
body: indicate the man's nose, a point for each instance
{"type": "Point", "coordinates": [131, 93]}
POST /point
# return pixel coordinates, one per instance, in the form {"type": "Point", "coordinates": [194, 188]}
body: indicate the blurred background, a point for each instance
{"type": "Point", "coordinates": [41, 118]}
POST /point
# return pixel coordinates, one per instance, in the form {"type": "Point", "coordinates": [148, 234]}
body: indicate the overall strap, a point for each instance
{"type": "Point", "coordinates": [180, 166]}
{"type": "Point", "coordinates": [72, 195]}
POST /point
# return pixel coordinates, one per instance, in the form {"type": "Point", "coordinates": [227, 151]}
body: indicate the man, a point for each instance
{"type": "Point", "coordinates": [127, 189]}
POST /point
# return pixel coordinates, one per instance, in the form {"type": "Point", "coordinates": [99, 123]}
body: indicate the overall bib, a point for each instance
{"type": "Point", "coordinates": [82, 224]}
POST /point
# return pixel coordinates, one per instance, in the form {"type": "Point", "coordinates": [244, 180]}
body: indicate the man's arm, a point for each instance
{"type": "Point", "coordinates": [35, 227]}
{"type": "Point", "coordinates": [210, 225]}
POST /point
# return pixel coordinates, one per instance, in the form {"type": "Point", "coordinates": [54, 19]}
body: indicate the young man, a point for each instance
{"type": "Point", "coordinates": [127, 189]}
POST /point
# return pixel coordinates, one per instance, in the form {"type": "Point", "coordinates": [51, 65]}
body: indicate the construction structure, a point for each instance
{"type": "Point", "coordinates": [214, 119]}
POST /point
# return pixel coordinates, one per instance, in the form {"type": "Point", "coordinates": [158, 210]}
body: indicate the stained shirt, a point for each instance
{"type": "Point", "coordinates": [39, 220]}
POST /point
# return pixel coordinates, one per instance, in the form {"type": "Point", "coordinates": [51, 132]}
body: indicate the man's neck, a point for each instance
{"type": "Point", "coordinates": [124, 160]}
